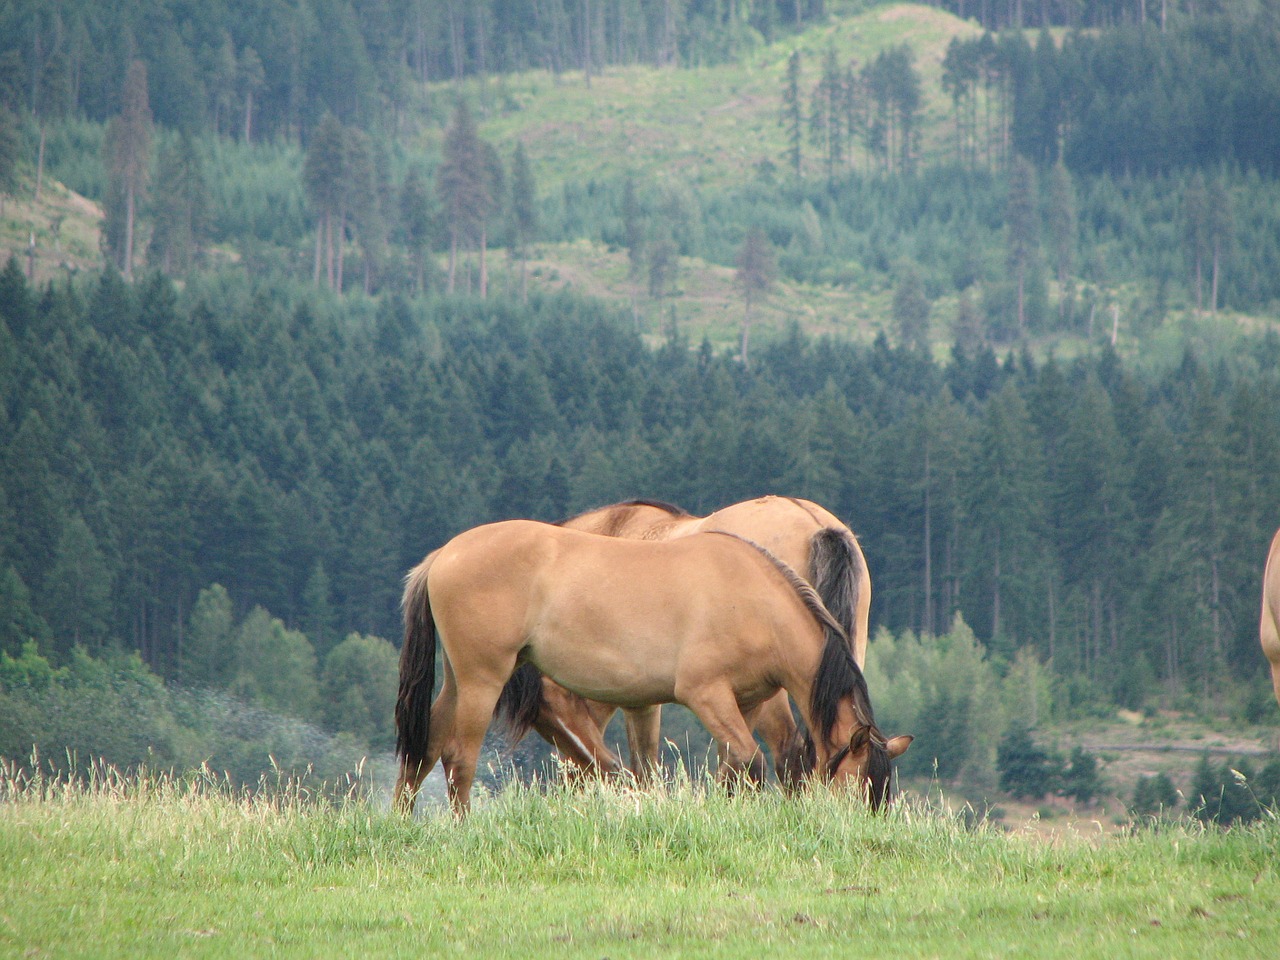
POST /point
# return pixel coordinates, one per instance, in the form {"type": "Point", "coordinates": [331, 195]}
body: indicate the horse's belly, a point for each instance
{"type": "Point", "coordinates": [610, 675]}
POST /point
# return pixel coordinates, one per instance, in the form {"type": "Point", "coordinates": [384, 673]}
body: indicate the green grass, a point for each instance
{"type": "Point", "coordinates": [158, 867]}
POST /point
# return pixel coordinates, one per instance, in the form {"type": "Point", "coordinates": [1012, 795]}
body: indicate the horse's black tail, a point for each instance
{"type": "Point", "coordinates": [838, 569]}
{"type": "Point", "coordinates": [417, 670]}
{"type": "Point", "coordinates": [520, 702]}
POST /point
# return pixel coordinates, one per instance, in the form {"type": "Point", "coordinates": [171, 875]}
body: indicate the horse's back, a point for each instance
{"type": "Point", "coordinates": [1270, 626]}
{"type": "Point", "coordinates": [779, 524]}
{"type": "Point", "coordinates": [632, 519]}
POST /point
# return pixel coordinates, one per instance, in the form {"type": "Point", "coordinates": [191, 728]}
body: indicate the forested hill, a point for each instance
{"type": "Point", "coordinates": [1004, 296]}
{"type": "Point", "coordinates": [897, 168]}
{"type": "Point", "coordinates": [303, 454]}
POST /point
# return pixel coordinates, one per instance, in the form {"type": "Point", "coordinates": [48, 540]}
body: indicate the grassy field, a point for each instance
{"type": "Point", "coordinates": [167, 868]}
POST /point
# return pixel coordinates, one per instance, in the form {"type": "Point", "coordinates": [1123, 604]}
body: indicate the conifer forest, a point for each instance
{"type": "Point", "coordinates": [293, 291]}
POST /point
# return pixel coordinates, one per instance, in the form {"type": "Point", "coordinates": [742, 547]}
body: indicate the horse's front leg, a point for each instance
{"type": "Point", "coordinates": [741, 760]}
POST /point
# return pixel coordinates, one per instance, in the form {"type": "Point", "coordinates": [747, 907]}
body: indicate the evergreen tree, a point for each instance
{"type": "Point", "coordinates": [524, 218]}
{"type": "Point", "coordinates": [1196, 232]}
{"type": "Point", "coordinates": [77, 589]}
{"type": "Point", "coordinates": [1062, 230]}
{"type": "Point", "coordinates": [757, 269]}
{"type": "Point", "coordinates": [1006, 513]}
{"type": "Point", "coordinates": [1022, 231]}
{"type": "Point", "coordinates": [318, 617]}
{"type": "Point", "coordinates": [463, 183]}
{"type": "Point", "coordinates": [827, 116]}
{"type": "Point", "coordinates": [363, 197]}
{"type": "Point", "coordinates": [323, 175]}
{"type": "Point", "coordinates": [20, 624]}
{"type": "Point", "coordinates": [418, 222]}
{"type": "Point", "coordinates": [127, 147]}
{"type": "Point", "coordinates": [250, 79]}
{"type": "Point", "coordinates": [181, 208]}
{"type": "Point", "coordinates": [911, 309]}
{"type": "Point", "coordinates": [793, 113]}
{"type": "Point", "coordinates": [10, 151]}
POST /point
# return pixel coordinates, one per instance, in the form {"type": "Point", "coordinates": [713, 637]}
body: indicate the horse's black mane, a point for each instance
{"type": "Point", "coordinates": [837, 568]}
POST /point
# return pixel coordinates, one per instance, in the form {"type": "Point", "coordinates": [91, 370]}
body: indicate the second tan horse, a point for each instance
{"type": "Point", "coordinates": [805, 536]}
{"type": "Point", "coordinates": [1270, 626]}
{"type": "Point", "coordinates": [709, 621]}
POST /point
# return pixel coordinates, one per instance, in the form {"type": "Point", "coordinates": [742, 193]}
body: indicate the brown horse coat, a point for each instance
{"type": "Point", "coordinates": [1269, 629]}
{"type": "Point", "coordinates": [708, 621]}
{"type": "Point", "coordinates": [805, 536]}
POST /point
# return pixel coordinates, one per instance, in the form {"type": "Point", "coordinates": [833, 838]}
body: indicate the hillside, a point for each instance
{"type": "Point", "coordinates": [63, 229]}
{"type": "Point", "coordinates": [706, 151]}
{"type": "Point", "coordinates": [706, 127]}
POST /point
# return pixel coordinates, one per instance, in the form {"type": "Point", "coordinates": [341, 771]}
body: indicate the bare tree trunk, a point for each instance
{"type": "Point", "coordinates": [453, 258]}
{"type": "Point", "coordinates": [315, 274]}
{"type": "Point", "coordinates": [342, 247]}
{"type": "Point", "coordinates": [930, 625]}
{"type": "Point", "coordinates": [484, 263]}
{"type": "Point", "coordinates": [1213, 290]}
{"type": "Point", "coordinates": [127, 268]}
{"type": "Point", "coordinates": [995, 590]}
{"type": "Point", "coordinates": [40, 163]}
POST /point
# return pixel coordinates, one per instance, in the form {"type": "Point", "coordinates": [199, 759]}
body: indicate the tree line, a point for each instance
{"type": "Point", "coordinates": [264, 69]}
{"type": "Point", "coordinates": [302, 453]}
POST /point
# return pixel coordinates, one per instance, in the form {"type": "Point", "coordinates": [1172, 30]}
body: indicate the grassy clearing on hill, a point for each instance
{"type": "Point", "coordinates": [707, 126]}
{"type": "Point", "coordinates": [165, 868]}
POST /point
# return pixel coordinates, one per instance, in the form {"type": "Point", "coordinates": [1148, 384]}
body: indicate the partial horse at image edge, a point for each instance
{"type": "Point", "coordinates": [1269, 628]}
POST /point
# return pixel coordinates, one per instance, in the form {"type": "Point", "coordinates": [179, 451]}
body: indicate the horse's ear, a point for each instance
{"type": "Point", "coordinates": [897, 746]}
{"type": "Point", "coordinates": [859, 739]}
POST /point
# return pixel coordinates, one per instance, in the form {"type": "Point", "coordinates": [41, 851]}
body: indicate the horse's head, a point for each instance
{"type": "Point", "coordinates": [864, 763]}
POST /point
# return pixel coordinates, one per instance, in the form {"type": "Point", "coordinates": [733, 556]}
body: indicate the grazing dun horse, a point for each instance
{"type": "Point", "coordinates": [1270, 627]}
{"type": "Point", "coordinates": [709, 621]}
{"type": "Point", "coordinates": [805, 536]}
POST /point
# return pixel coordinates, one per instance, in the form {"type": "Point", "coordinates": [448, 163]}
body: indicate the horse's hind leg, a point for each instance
{"type": "Point", "coordinates": [409, 781]}
{"type": "Point", "coordinates": [644, 729]}
{"type": "Point", "coordinates": [461, 753]}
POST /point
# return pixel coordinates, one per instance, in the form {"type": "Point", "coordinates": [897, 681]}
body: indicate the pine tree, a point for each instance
{"type": "Point", "coordinates": [323, 176]}
{"type": "Point", "coordinates": [757, 268]}
{"type": "Point", "coordinates": [10, 151]}
{"type": "Point", "coordinates": [524, 217]}
{"type": "Point", "coordinates": [793, 113]}
{"type": "Point", "coordinates": [1196, 232]}
{"type": "Point", "coordinates": [1022, 231]}
{"type": "Point", "coordinates": [418, 222]}
{"type": "Point", "coordinates": [127, 146]}
{"type": "Point", "coordinates": [1062, 229]}
{"type": "Point", "coordinates": [911, 309]}
{"type": "Point", "coordinates": [827, 116]}
{"type": "Point", "coordinates": [462, 183]}
{"type": "Point", "coordinates": [180, 207]}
